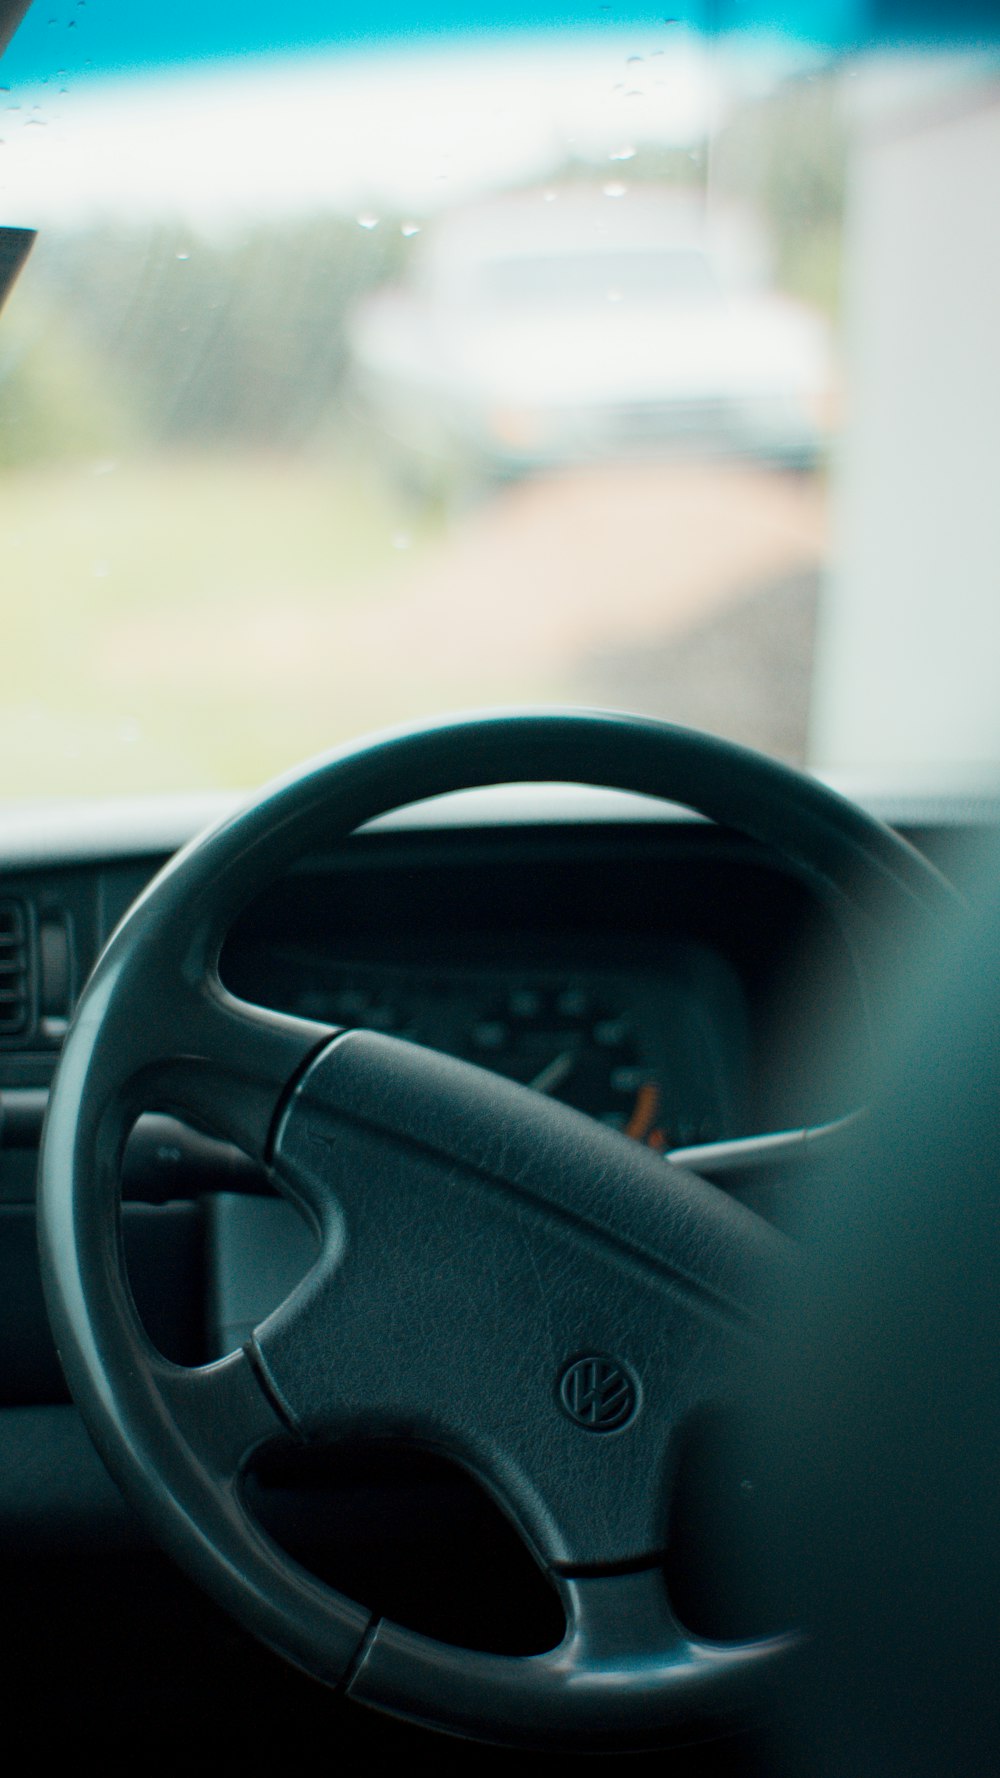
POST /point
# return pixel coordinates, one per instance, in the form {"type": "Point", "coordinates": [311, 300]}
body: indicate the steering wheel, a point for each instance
{"type": "Point", "coordinates": [499, 1278]}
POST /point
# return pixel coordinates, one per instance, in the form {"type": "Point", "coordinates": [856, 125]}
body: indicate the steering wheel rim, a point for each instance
{"type": "Point", "coordinates": [155, 1027]}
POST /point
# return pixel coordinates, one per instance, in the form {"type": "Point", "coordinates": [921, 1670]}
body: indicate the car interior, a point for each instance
{"type": "Point", "coordinates": [498, 1226]}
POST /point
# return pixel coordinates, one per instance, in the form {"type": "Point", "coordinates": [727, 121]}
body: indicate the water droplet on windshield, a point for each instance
{"type": "Point", "coordinates": [614, 189]}
{"type": "Point", "coordinates": [100, 571]}
{"type": "Point", "coordinates": [549, 197]}
{"type": "Point", "coordinates": [182, 256]}
{"type": "Point", "coordinates": [631, 60]}
{"type": "Point", "coordinates": [614, 296]}
{"type": "Point", "coordinates": [367, 220]}
{"type": "Point", "coordinates": [626, 153]}
{"type": "Point", "coordinates": [401, 540]}
{"type": "Point", "coordinates": [409, 228]}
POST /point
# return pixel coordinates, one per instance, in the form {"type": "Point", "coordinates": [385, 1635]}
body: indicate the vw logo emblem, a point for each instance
{"type": "Point", "coordinates": [598, 1393]}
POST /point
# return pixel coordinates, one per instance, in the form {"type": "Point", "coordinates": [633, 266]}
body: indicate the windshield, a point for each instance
{"type": "Point", "coordinates": [347, 383]}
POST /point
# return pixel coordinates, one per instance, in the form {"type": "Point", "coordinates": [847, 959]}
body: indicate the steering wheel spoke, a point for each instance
{"type": "Point", "coordinates": [222, 1410]}
{"type": "Point", "coordinates": [196, 1051]}
{"type": "Point", "coordinates": [625, 1672]}
{"type": "Point", "coordinates": [229, 1066]}
{"type": "Point", "coordinates": [617, 1619]}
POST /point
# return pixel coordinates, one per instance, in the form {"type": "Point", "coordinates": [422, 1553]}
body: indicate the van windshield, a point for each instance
{"type": "Point", "coordinates": [607, 365]}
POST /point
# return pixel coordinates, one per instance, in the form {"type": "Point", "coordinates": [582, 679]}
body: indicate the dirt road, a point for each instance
{"type": "Point", "coordinates": [585, 586]}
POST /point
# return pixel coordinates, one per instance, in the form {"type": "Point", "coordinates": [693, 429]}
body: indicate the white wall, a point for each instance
{"type": "Point", "coordinates": [909, 645]}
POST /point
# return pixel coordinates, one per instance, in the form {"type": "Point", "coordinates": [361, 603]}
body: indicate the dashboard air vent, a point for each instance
{"type": "Point", "coordinates": [15, 970]}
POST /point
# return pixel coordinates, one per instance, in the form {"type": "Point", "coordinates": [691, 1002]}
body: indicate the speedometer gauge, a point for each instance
{"type": "Point", "coordinates": [566, 1041]}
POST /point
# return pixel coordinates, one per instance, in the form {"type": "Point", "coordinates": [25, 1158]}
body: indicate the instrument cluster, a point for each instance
{"type": "Point", "coordinates": [655, 1054]}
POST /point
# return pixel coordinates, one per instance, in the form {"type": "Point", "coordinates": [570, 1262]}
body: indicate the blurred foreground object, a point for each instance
{"type": "Point", "coordinates": [884, 1438]}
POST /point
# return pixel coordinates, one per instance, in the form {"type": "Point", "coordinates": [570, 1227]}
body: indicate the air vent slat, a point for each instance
{"type": "Point", "coordinates": [15, 970]}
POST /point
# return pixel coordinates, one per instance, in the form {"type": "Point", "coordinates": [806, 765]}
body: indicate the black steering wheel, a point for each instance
{"type": "Point", "coordinates": [499, 1278]}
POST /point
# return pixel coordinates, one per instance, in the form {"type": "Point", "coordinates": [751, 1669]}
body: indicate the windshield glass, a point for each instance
{"type": "Point", "coordinates": [614, 365]}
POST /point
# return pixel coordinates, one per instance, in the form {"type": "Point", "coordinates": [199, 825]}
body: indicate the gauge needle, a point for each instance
{"type": "Point", "coordinates": [554, 1073]}
{"type": "Point", "coordinates": [647, 1104]}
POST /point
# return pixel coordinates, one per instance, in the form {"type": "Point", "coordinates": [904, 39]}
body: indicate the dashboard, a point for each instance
{"type": "Point", "coordinates": [655, 972]}
{"type": "Point", "coordinates": [658, 973]}
{"type": "Point", "coordinates": [659, 976]}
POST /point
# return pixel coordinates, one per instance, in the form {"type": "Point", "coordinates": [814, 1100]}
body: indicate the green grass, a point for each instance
{"type": "Point", "coordinates": [172, 623]}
